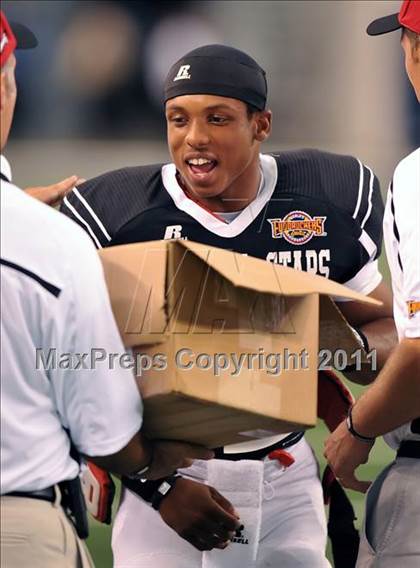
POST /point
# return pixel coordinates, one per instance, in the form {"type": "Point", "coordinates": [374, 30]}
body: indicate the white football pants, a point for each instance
{"type": "Point", "coordinates": [293, 529]}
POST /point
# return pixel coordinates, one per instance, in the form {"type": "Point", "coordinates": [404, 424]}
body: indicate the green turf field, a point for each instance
{"type": "Point", "coordinates": [99, 541]}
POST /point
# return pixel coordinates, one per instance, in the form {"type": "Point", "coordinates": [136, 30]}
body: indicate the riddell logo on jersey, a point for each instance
{"type": "Point", "coordinates": [297, 227]}
{"type": "Point", "coordinates": [413, 308]}
{"type": "Point", "coordinates": [183, 73]}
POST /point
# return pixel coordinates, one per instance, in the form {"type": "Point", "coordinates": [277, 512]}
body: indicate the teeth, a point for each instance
{"type": "Point", "coordinates": [199, 161]}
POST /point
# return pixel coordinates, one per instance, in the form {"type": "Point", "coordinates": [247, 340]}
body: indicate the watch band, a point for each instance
{"type": "Point", "coordinates": [163, 490]}
{"type": "Point", "coordinates": [144, 488]}
{"type": "Point", "coordinates": [354, 433]}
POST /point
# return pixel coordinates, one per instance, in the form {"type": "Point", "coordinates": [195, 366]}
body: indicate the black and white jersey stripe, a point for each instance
{"type": "Point", "coordinates": [101, 206]}
{"type": "Point", "coordinates": [394, 224]}
{"type": "Point", "coordinates": [368, 210]}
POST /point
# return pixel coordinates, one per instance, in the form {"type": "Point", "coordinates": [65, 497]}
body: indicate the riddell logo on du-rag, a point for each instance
{"type": "Point", "coordinates": [183, 73]}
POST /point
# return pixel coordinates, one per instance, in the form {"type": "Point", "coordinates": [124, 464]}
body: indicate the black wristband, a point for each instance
{"type": "Point", "coordinates": [163, 490]}
{"type": "Point", "coordinates": [350, 428]}
{"type": "Point", "coordinates": [144, 489]}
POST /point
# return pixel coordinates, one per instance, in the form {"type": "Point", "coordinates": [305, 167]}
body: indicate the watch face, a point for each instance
{"type": "Point", "coordinates": [164, 488]}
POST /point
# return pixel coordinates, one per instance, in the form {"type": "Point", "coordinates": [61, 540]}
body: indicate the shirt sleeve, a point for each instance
{"type": "Point", "coordinates": [88, 208]}
{"type": "Point", "coordinates": [367, 279]}
{"type": "Point", "coordinates": [368, 214]}
{"type": "Point", "coordinates": [406, 198]}
{"type": "Point", "coordinates": [96, 393]}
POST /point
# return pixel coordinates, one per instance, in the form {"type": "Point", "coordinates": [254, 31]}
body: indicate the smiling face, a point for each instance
{"type": "Point", "coordinates": [214, 143]}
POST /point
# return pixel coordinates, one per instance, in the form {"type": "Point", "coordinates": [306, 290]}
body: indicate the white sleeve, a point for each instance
{"type": "Point", "coordinates": [406, 194]}
{"type": "Point", "coordinates": [98, 400]}
{"type": "Point", "coordinates": [366, 280]}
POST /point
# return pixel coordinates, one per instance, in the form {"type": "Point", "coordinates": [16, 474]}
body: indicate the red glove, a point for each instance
{"type": "Point", "coordinates": [334, 399]}
{"type": "Point", "coordinates": [99, 491]}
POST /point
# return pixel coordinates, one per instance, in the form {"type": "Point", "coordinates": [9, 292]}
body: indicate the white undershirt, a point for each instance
{"type": "Point", "coordinates": [229, 216]}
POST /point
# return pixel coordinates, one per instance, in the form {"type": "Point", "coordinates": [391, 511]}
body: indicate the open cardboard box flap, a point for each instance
{"type": "Point", "coordinates": [140, 281]}
{"type": "Point", "coordinates": [257, 274]}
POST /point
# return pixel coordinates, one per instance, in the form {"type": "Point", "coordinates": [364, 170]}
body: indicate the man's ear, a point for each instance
{"type": "Point", "coordinates": [263, 125]}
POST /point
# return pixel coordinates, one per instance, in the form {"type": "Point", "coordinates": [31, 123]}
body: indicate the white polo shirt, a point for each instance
{"type": "Point", "coordinates": [402, 243]}
{"type": "Point", "coordinates": [53, 296]}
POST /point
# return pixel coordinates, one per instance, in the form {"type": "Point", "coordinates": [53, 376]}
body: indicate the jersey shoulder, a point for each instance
{"type": "Point", "coordinates": [406, 179]}
{"type": "Point", "coordinates": [130, 183]}
{"type": "Point", "coordinates": [323, 175]}
{"type": "Point", "coordinates": [102, 205]}
{"type": "Point", "coordinates": [342, 181]}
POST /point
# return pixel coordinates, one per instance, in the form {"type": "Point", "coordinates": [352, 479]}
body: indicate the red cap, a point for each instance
{"type": "Point", "coordinates": [408, 17]}
{"type": "Point", "coordinates": [14, 36]}
{"type": "Point", "coordinates": [7, 40]}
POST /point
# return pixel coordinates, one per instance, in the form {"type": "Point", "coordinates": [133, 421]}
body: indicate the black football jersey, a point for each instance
{"type": "Point", "coordinates": [315, 211]}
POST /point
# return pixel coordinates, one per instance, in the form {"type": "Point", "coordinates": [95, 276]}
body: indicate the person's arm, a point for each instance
{"type": "Point", "coordinates": [160, 457]}
{"type": "Point", "coordinates": [197, 512]}
{"type": "Point", "coordinates": [391, 401]}
{"type": "Point", "coordinates": [394, 398]}
{"type": "Point", "coordinates": [377, 325]}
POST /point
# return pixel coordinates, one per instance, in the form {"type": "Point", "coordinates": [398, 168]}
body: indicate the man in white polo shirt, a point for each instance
{"type": "Point", "coordinates": [54, 297]}
{"type": "Point", "coordinates": [392, 405]}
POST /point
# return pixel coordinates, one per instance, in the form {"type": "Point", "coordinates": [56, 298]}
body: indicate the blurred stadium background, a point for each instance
{"type": "Point", "coordinates": [90, 96]}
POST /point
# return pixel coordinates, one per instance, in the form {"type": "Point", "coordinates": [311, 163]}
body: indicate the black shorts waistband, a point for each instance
{"type": "Point", "coordinates": [286, 442]}
{"type": "Point", "coordinates": [409, 449]}
{"type": "Point", "coordinates": [47, 494]}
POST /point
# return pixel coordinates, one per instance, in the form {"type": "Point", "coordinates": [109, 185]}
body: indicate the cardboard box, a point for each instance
{"type": "Point", "coordinates": [231, 341]}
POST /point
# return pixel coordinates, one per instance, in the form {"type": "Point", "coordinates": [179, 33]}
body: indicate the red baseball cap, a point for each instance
{"type": "Point", "coordinates": [408, 17]}
{"type": "Point", "coordinates": [14, 36]}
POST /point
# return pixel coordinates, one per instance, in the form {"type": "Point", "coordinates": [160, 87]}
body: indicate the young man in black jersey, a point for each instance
{"type": "Point", "coordinates": [306, 209]}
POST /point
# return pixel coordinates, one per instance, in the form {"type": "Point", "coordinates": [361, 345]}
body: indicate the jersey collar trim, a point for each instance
{"type": "Point", "coordinates": [209, 221]}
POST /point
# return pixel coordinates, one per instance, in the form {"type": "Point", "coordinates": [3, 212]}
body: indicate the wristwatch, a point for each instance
{"type": "Point", "coordinates": [163, 490]}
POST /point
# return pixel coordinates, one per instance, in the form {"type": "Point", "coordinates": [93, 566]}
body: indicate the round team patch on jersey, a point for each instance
{"type": "Point", "coordinates": [297, 227]}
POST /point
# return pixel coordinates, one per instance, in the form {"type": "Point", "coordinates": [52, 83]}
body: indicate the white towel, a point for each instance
{"type": "Point", "coordinates": [241, 483]}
